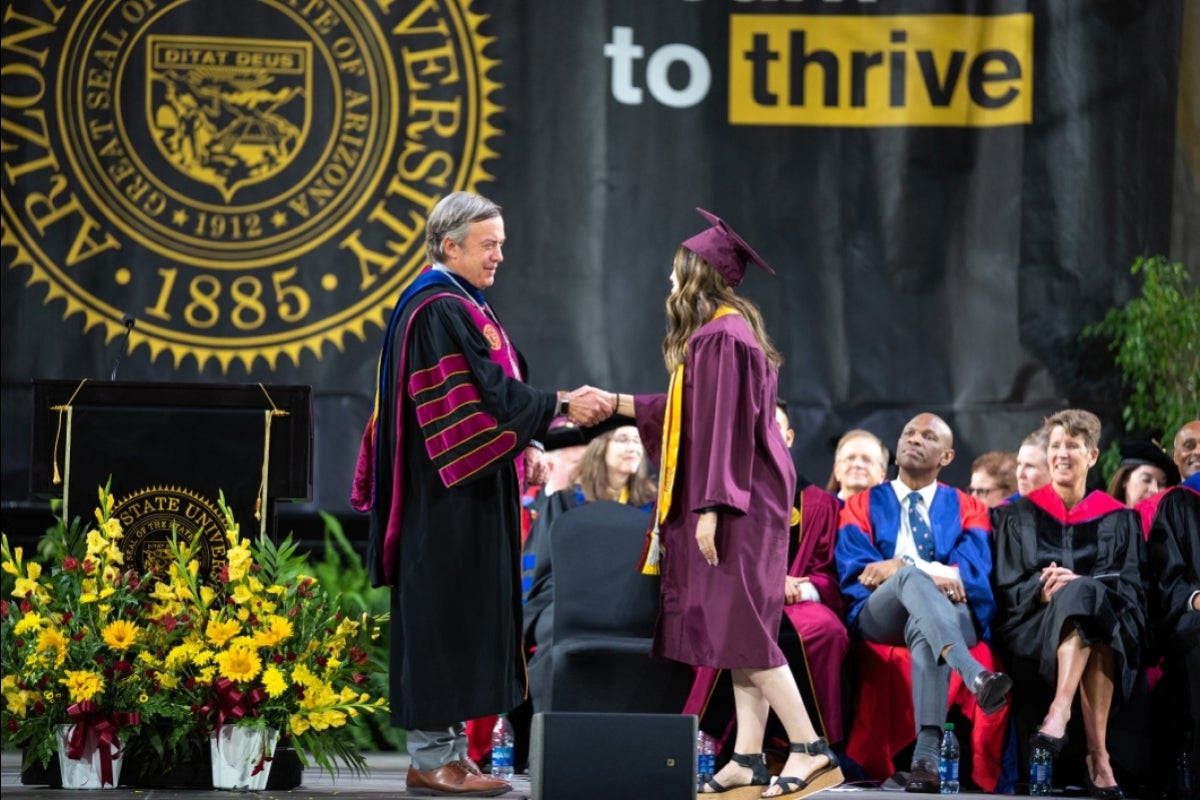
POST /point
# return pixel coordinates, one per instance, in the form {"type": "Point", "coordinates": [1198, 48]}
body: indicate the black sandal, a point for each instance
{"type": "Point", "coordinates": [757, 764]}
{"type": "Point", "coordinates": [827, 777]}
{"type": "Point", "coordinates": [1054, 744]}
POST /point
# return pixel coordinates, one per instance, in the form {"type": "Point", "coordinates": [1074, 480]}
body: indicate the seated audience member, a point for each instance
{"type": "Point", "coordinates": [813, 602]}
{"type": "Point", "coordinates": [993, 477]}
{"type": "Point", "coordinates": [914, 561]}
{"type": "Point", "coordinates": [1071, 600]}
{"type": "Point", "coordinates": [814, 610]}
{"type": "Point", "coordinates": [859, 462]}
{"type": "Point", "coordinates": [1145, 470]}
{"type": "Point", "coordinates": [1186, 450]}
{"type": "Point", "coordinates": [1033, 470]}
{"type": "Point", "coordinates": [612, 467]}
{"type": "Point", "coordinates": [1174, 559]}
{"type": "Point", "coordinates": [1185, 456]}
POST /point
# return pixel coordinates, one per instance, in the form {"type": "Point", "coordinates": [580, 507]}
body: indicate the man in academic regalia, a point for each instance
{"type": "Point", "coordinates": [1174, 555]}
{"type": "Point", "coordinates": [440, 470]}
{"type": "Point", "coordinates": [914, 560]}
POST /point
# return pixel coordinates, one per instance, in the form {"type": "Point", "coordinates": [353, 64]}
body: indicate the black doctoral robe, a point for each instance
{"type": "Point", "coordinates": [456, 610]}
{"type": "Point", "coordinates": [1100, 540]}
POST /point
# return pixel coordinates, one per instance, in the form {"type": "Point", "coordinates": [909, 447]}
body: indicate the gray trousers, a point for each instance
{"type": "Point", "coordinates": [435, 748]}
{"type": "Point", "coordinates": [907, 609]}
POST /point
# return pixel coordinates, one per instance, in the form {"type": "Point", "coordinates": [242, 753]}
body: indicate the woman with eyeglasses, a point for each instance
{"type": "Point", "coordinates": [614, 468]}
{"type": "Point", "coordinates": [993, 477]}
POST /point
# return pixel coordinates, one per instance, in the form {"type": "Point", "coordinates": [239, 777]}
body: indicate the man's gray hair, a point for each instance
{"type": "Point", "coordinates": [452, 217]}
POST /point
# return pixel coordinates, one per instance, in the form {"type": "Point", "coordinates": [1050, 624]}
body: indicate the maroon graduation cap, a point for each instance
{"type": "Point", "coordinates": [727, 252]}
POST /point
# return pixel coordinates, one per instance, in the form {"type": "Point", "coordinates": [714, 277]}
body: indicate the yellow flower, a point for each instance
{"type": "Point", "coordinates": [241, 594]}
{"type": "Point", "coordinates": [239, 663]}
{"type": "Point", "coordinates": [120, 634]}
{"type": "Point", "coordinates": [181, 655]}
{"type": "Point", "coordinates": [274, 681]}
{"type": "Point", "coordinates": [51, 639]}
{"type": "Point", "coordinates": [219, 632]}
{"type": "Point", "coordinates": [330, 718]}
{"type": "Point", "coordinates": [112, 528]}
{"type": "Point", "coordinates": [275, 629]}
{"type": "Point", "coordinates": [298, 723]}
{"type": "Point", "coordinates": [239, 560]}
{"type": "Point", "coordinates": [96, 543]}
{"type": "Point", "coordinates": [30, 623]}
{"type": "Point", "coordinates": [82, 685]}
{"type": "Point", "coordinates": [23, 587]}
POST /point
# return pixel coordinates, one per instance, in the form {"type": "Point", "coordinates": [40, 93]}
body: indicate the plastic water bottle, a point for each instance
{"type": "Point", "coordinates": [706, 758]}
{"type": "Point", "coordinates": [1041, 772]}
{"type": "Point", "coordinates": [502, 748]}
{"type": "Point", "coordinates": [1185, 771]}
{"type": "Point", "coordinates": [948, 760]}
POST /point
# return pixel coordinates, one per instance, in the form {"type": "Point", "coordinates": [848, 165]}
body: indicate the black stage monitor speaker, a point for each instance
{"type": "Point", "coordinates": [582, 756]}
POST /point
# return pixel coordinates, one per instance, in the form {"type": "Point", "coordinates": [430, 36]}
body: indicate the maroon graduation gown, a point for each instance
{"type": "Point", "coordinates": [733, 456]}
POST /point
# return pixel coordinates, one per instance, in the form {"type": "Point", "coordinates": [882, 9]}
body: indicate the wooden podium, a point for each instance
{"type": "Point", "coordinates": [171, 450]}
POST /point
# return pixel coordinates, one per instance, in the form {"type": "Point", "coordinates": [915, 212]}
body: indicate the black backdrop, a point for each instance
{"type": "Point", "coordinates": [947, 267]}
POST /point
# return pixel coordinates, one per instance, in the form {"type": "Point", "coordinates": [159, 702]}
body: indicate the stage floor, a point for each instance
{"type": "Point", "coordinates": [386, 777]}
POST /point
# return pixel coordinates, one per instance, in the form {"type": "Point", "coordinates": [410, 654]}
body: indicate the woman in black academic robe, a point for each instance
{"type": "Point", "coordinates": [1071, 594]}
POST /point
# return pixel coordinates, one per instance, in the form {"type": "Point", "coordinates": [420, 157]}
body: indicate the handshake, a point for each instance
{"type": "Point", "coordinates": [588, 405]}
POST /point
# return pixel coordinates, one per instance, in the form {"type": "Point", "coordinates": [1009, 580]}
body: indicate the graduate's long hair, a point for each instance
{"type": "Point", "coordinates": [701, 291]}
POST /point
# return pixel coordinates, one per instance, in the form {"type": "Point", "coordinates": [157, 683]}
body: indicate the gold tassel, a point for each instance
{"type": "Point", "coordinates": [652, 554]}
{"type": "Point", "coordinates": [57, 479]}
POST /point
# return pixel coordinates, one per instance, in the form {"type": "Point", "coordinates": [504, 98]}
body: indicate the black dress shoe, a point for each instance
{"type": "Point", "coordinates": [991, 691]}
{"type": "Point", "coordinates": [923, 777]}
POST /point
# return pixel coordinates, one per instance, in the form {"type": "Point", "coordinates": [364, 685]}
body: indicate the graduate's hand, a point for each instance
{"type": "Point", "coordinates": [706, 536]}
{"type": "Point", "coordinates": [588, 406]}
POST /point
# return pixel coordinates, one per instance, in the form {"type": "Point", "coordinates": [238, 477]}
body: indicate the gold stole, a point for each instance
{"type": "Point", "coordinates": [651, 563]}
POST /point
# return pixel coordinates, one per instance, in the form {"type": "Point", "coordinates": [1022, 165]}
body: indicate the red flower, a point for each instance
{"type": "Point", "coordinates": [70, 563]}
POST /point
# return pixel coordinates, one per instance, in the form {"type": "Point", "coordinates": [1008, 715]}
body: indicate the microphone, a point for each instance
{"type": "Point", "coordinates": [128, 321]}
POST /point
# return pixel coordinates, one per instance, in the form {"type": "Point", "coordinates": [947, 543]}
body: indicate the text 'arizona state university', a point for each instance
{"type": "Point", "coordinates": [937, 69]}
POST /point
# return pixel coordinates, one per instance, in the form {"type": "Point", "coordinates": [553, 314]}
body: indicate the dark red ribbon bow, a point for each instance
{"type": "Point", "coordinates": [90, 723]}
{"type": "Point", "coordinates": [231, 703]}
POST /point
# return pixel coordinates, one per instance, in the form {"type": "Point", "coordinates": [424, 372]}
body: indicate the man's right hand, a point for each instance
{"type": "Point", "coordinates": [588, 406]}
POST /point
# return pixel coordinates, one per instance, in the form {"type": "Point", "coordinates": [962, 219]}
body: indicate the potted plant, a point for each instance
{"type": "Point", "coordinates": [264, 649]}
{"type": "Point", "coordinates": [166, 666]}
{"type": "Point", "coordinates": [75, 677]}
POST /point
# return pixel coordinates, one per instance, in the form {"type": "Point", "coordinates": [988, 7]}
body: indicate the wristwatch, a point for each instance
{"type": "Point", "coordinates": [908, 560]}
{"type": "Point", "coordinates": [564, 407]}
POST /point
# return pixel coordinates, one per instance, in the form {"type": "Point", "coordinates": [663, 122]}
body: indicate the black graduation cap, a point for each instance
{"type": "Point", "coordinates": [1135, 452]}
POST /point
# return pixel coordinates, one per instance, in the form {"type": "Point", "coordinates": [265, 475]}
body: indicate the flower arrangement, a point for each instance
{"type": "Point", "coordinates": [74, 644]}
{"type": "Point", "coordinates": [257, 644]}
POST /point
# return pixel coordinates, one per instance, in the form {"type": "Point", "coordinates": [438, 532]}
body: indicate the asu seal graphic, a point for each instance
{"type": "Point", "coordinates": [247, 184]}
{"type": "Point", "coordinates": [151, 515]}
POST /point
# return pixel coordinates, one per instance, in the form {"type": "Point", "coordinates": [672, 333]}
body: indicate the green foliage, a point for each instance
{"type": "Point", "coordinates": [343, 567]}
{"type": "Point", "coordinates": [1155, 340]}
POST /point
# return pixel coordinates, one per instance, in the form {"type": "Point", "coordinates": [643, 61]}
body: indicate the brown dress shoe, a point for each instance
{"type": "Point", "coordinates": [453, 780]}
{"type": "Point", "coordinates": [923, 777]}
